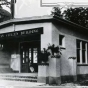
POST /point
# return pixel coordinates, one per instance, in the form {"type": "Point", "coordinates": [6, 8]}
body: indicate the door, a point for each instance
{"type": "Point", "coordinates": [29, 56]}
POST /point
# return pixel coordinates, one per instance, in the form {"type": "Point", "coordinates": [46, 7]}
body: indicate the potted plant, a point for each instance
{"type": "Point", "coordinates": [48, 60]}
{"type": "Point", "coordinates": [43, 66]}
{"type": "Point", "coordinates": [55, 51]}
{"type": "Point", "coordinates": [52, 51]}
{"type": "Point", "coordinates": [54, 64]}
{"type": "Point", "coordinates": [43, 56]}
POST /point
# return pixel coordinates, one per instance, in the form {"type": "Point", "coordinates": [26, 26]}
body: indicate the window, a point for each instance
{"type": "Point", "coordinates": [82, 51]}
{"type": "Point", "coordinates": [35, 55]}
{"type": "Point", "coordinates": [1, 46]}
{"type": "Point", "coordinates": [61, 40]}
{"type": "Point", "coordinates": [78, 51]}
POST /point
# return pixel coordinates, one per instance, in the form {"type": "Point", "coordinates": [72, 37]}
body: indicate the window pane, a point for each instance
{"type": "Point", "coordinates": [61, 40]}
{"type": "Point", "coordinates": [78, 44]}
{"type": "Point", "coordinates": [83, 56]}
{"type": "Point", "coordinates": [30, 55]}
{"type": "Point", "coordinates": [87, 52]}
{"type": "Point", "coordinates": [78, 55]}
{"type": "Point", "coordinates": [35, 55]}
{"type": "Point", "coordinates": [87, 56]}
{"type": "Point", "coordinates": [23, 54]}
{"type": "Point", "coordinates": [83, 45]}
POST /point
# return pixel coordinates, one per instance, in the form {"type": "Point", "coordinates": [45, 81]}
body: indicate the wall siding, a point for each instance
{"type": "Point", "coordinates": [70, 45]}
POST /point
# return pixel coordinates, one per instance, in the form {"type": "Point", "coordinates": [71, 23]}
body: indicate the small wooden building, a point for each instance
{"type": "Point", "coordinates": [21, 39]}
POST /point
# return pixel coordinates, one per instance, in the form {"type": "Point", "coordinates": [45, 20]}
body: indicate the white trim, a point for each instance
{"type": "Point", "coordinates": [86, 53]}
{"type": "Point", "coordinates": [81, 52]}
{"type": "Point", "coordinates": [81, 58]}
{"type": "Point", "coordinates": [63, 40]}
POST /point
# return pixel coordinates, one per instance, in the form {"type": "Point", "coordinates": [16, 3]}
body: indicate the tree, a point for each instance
{"type": "Point", "coordinates": [5, 2]}
{"type": "Point", "coordinates": [56, 11]}
{"type": "Point", "coordinates": [76, 15]}
{"type": "Point", "coordinates": [5, 15]}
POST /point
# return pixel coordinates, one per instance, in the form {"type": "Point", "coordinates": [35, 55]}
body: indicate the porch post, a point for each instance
{"type": "Point", "coordinates": [54, 71]}
{"type": "Point", "coordinates": [43, 75]}
{"type": "Point", "coordinates": [73, 68]}
{"type": "Point", "coordinates": [19, 63]}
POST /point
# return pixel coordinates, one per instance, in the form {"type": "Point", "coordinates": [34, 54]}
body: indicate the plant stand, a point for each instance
{"type": "Point", "coordinates": [54, 71]}
{"type": "Point", "coordinates": [43, 75]}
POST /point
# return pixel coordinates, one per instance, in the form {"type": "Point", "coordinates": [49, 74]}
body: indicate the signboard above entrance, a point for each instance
{"type": "Point", "coordinates": [22, 33]}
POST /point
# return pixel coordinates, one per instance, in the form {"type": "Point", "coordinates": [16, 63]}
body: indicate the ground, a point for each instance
{"type": "Point", "coordinates": [19, 84]}
{"type": "Point", "coordinates": [70, 84]}
{"type": "Point", "coordinates": [67, 84]}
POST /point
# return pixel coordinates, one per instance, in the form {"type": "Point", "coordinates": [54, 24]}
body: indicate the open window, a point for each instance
{"type": "Point", "coordinates": [62, 40]}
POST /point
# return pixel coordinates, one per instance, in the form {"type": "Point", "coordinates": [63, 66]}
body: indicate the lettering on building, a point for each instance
{"type": "Point", "coordinates": [24, 32]}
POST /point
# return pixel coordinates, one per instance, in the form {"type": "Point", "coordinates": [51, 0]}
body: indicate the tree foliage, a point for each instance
{"type": "Point", "coordinates": [56, 11]}
{"type": "Point", "coordinates": [5, 15]}
{"type": "Point", "coordinates": [5, 2]}
{"type": "Point", "coordinates": [76, 15]}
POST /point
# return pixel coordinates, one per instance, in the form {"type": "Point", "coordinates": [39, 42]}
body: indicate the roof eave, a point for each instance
{"type": "Point", "coordinates": [40, 19]}
{"type": "Point", "coordinates": [22, 20]}
{"type": "Point", "coordinates": [69, 23]}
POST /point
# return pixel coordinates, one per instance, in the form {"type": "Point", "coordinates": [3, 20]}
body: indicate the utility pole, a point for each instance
{"type": "Point", "coordinates": [13, 8]}
{"type": "Point", "coordinates": [10, 5]}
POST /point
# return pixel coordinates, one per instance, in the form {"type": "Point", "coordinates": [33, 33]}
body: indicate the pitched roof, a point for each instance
{"type": "Point", "coordinates": [40, 19]}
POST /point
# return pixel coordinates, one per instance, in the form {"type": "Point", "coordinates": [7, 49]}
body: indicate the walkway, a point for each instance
{"type": "Point", "coordinates": [18, 84]}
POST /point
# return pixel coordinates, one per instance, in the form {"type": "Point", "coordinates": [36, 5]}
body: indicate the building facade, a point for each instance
{"type": "Point", "coordinates": [22, 39]}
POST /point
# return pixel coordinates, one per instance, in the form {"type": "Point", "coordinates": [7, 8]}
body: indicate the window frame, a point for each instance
{"type": "Point", "coordinates": [81, 51]}
{"type": "Point", "coordinates": [62, 40]}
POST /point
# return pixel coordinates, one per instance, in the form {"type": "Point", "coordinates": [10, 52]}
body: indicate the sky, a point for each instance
{"type": "Point", "coordinates": [29, 8]}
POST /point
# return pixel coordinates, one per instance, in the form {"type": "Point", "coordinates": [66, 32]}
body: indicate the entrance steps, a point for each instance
{"type": "Point", "coordinates": [5, 68]}
{"type": "Point", "coordinates": [27, 77]}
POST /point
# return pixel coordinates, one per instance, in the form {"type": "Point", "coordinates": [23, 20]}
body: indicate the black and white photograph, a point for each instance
{"type": "Point", "coordinates": [43, 43]}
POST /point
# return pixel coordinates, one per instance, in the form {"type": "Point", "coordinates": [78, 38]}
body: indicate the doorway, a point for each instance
{"type": "Point", "coordinates": [29, 56]}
